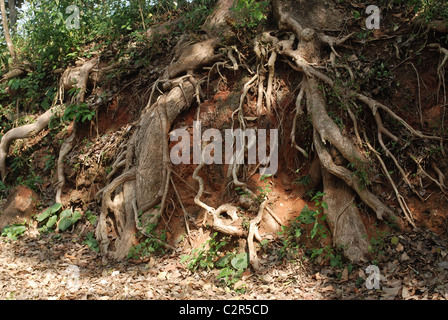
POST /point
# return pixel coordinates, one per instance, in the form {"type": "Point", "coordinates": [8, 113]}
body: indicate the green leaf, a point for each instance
{"type": "Point", "coordinates": [335, 261]}
{"type": "Point", "coordinates": [51, 222]}
{"type": "Point", "coordinates": [241, 261]}
{"type": "Point", "coordinates": [394, 240]}
{"type": "Point", "coordinates": [324, 205]}
{"type": "Point", "coordinates": [65, 223]}
{"type": "Point", "coordinates": [68, 218]}
{"type": "Point", "coordinates": [224, 260]}
{"type": "Point", "coordinates": [307, 216]}
{"type": "Point", "coordinates": [44, 215]}
{"type": "Point", "coordinates": [76, 216]}
{"type": "Point", "coordinates": [92, 244]}
{"type": "Point", "coordinates": [91, 217]}
{"type": "Point", "coordinates": [13, 231]}
{"type": "Point", "coordinates": [67, 213]}
{"type": "Point", "coordinates": [224, 273]}
{"type": "Point", "coordinates": [184, 258]}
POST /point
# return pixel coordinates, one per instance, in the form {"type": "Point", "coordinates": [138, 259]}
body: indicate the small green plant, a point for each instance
{"type": "Point", "coordinates": [308, 216]}
{"type": "Point", "coordinates": [242, 192]}
{"type": "Point", "coordinates": [377, 242]}
{"type": "Point", "coordinates": [233, 266]}
{"type": "Point", "coordinates": [78, 112]}
{"type": "Point", "coordinates": [91, 242]}
{"type": "Point", "coordinates": [209, 256]}
{"type": "Point", "coordinates": [356, 14]}
{"type": "Point", "coordinates": [362, 174]}
{"type": "Point", "coordinates": [49, 162]}
{"type": "Point", "coordinates": [91, 217]}
{"type": "Point", "coordinates": [264, 191]}
{"type": "Point", "coordinates": [334, 255]}
{"type": "Point", "coordinates": [14, 231]}
{"type": "Point", "coordinates": [32, 180]}
{"type": "Point", "coordinates": [153, 244]}
{"type": "Point", "coordinates": [249, 13]}
{"type": "Point", "coordinates": [205, 256]}
{"type": "Point", "coordinates": [18, 165]}
{"type": "Point", "coordinates": [304, 180]}
{"type": "Point", "coordinates": [290, 239]}
{"type": "Point", "coordinates": [291, 234]}
{"type": "Point", "coordinates": [49, 219]}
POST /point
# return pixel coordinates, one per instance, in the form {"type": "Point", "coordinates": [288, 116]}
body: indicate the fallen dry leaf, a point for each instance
{"type": "Point", "coordinates": [390, 293]}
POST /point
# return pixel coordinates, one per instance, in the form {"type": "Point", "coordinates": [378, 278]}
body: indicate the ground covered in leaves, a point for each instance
{"type": "Point", "coordinates": [412, 266]}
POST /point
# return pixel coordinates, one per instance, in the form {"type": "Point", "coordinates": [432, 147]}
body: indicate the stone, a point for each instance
{"type": "Point", "coordinates": [19, 206]}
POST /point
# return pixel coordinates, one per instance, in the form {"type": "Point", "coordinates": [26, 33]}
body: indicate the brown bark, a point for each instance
{"type": "Point", "coordinates": [6, 32]}
{"type": "Point", "coordinates": [344, 219]}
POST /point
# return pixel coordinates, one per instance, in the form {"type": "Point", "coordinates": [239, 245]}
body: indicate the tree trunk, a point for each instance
{"type": "Point", "coordinates": [6, 32]}
{"type": "Point", "coordinates": [12, 15]}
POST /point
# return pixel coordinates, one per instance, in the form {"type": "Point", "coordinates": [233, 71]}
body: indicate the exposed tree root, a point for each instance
{"type": "Point", "coordinates": [298, 112]}
{"type": "Point", "coordinates": [65, 149]}
{"type": "Point", "coordinates": [194, 57]}
{"type": "Point", "coordinates": [14, 73]}
{"type": "Point", "coordinates": [348, 231]}
{"type": "Point", "coordinates": [69, 80]}
{"type": "Point", "coordinates": [400, 199]}
{"type": "Point", "coordinates": [76, 77]}
{"type": "Point", "coordinates": [21, 133]}
{"type": "Point", "coordinates": [352, 181]}
{"type": "Point", "coordinates": [253, 258]}
{"type": "Point", "coordinates": [441, 75]}
{"type": "Point", "coordinates": [225, 226]}
{"type": "Point", "coordinates": [147, 170]}
{"type": "Point", "coordinates": [116, 206]}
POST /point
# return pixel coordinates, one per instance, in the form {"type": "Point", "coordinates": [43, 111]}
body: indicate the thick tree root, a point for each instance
{"type": "Point", "coordinates": [348, 230]}
{"type": "Point", "coordinates": [70, 79]}
{"type": "Point", "coordinates": [253, 258]}
{"type": "Point", "coordinates": [65, 149]}
{"type": "Point", "coordinates": [77, 77]}
{"type": "Point", "coordinates": [352, 181]}
{"type": "Point", "coordinates": [148, 164]}
{"type": "Point", "coordinates": [21, 133]}
{"type": "Point", "coordinates": [116, 206]}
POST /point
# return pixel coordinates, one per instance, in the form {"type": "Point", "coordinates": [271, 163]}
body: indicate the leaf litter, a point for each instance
{"type": "Point", "coordinates": [413, 266]}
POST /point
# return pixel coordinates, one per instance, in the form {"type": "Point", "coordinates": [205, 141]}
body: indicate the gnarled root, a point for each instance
{"type": "Point", "coordinates": [68, 80]}
{"type": "Point", "coordinates": [115, 206]}
{"type": "Point", "coordinates": [21, 133]}
{"type": "Point", "coordinates": [232, 227]}
{"type": "Point", "coordinates": [343, 216]}
{"type": "Point", "coordinates": [352, 181]}
{"type": "Point", "coordinates": [76, 77]}
{"type": "Point", "coordinates": [65, 149]}
{"type": "Point", "coordinates": [253, 258]}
